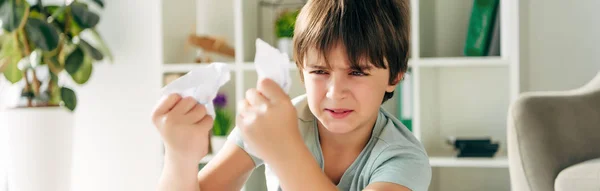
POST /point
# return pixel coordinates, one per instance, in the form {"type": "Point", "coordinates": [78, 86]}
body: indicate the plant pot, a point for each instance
{"type": "Point", "coordinates": [286, 45]}
{"type": "Point", "coordinates": [217, 142]}
{"type": "Point", "coordinates": [40, 142]}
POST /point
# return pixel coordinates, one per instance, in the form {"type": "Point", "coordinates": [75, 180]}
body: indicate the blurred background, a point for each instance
{"type": "Point", "coordinates": [94, 71]}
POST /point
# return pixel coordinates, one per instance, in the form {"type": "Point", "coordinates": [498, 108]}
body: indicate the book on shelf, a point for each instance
{"type": "Point", "coordinates": [481, 26]}
{"type": "Point", "coordinates": [494, 47]}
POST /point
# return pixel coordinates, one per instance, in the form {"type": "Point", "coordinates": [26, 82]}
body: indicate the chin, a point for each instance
{"type": "Point", "coordinates": [338, 127]}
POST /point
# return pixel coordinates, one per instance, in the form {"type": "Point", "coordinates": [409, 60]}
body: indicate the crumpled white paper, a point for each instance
{"type": "Point", "coordinates": [202, 83]}
{"type": "Point", "coordinates": [271, 63]}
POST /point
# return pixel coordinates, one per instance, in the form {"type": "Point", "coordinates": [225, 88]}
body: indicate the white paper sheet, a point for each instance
{"type": "Point", "coordinates": [271, 63]}
{"type": "Point", "coordinates": [202, 83]}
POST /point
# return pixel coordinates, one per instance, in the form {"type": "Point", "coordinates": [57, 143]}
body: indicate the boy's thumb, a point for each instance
{"type": "Point", "coordinates": [271, 90]}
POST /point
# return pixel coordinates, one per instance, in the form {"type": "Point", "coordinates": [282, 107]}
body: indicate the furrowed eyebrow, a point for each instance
{"type": "Point", "coordinates": [313, 66]}
{"type": "Point", "coordinates": [357, 68]}
{"type": "Point", "coordinates": [362, 67]}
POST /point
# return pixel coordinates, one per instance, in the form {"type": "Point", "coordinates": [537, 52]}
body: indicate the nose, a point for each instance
{"type": "Point", "coordinates": [337, 87]}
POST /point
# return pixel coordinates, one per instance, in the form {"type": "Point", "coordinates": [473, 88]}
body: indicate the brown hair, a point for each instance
{"type": "Point", "coordinates": [376, 31]}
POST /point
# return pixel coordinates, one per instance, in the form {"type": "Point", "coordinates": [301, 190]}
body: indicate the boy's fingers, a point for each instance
{"type": "Point", "coordinates": [254, 97]}
{"type": "Point", "coordinates": [185, 105]}
{"type": "Point", "coordinates": [271, 90]}
{"type": "Point", "coordinates": [197, 113]}
{"type": "Point", "coordinates": [243, 107]}
{"type": "Point", "coordinates": [166, 104]}
{"type": "Point", "coordinates": [206, 122]}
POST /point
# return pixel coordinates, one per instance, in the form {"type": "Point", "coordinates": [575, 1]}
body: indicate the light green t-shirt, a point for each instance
{"type": "Point", "coordinates": [392, 154]}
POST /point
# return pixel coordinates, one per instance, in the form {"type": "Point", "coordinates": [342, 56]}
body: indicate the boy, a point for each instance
{"type": "Point", "coordinates": [351, 54]}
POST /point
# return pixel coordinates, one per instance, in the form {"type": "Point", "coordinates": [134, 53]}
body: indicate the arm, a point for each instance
{"type": "Point", "coordinates": [184, 127]}
{"type": "Point", "coordinates": [385, 186]}
{"type": "Point", "coordinates": [298, 168]}
{"type": "Point", "coordinates": [178, 174]}
{"type": "Point", "coordinates": [228, 170]}
{"type": "Point", "coordinates": [401, 166]}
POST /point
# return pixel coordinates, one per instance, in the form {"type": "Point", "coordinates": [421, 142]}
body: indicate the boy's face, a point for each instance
{"type": "Point", "coordinates": [341, 97]}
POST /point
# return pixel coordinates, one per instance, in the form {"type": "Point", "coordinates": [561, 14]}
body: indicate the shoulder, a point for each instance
{"type": "Point", "coordinates": [398, 157]}
{"type": "Point", "coordinates": [302, 110]}
{"type": "Point", "coordinates": [306, 119]}
{"type": "Point", "coordinates": [395, 135]}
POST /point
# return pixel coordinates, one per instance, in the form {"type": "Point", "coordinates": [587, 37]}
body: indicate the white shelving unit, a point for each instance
{"type": "Point", "coordinates": [452, 95]}
{"type": "Point", "coordinates": [462, 96]}
{"type": "Point", "coordinates": [491, 61]}
{"type": "Point", "coordinates": [186, 67]}
{"type": "Point", "coordinates": [497, 162]}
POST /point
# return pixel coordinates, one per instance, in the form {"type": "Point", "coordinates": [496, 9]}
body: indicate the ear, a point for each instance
{"type": "Point", "coordinates": [391, 87]}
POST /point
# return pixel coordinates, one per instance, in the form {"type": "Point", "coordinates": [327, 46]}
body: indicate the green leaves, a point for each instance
{"type": "Point", "coordinates": [50, 35]}
{"type": "Point", "coordinates": [102, 44]}
{"type": "Point", "coordinates": [53, 64]}
{"type": "Point", "coordinates": [99, 3]}
{"type": "Point", "coordinates": [284, 26]}
{"type": "Point", "coordinates": [54, 90]}
{"type": "Point", "coordinates": [79, 65]}
{"type": "Point", "coordinates": [222, 123]}
{"type": "Point", "coordinates": [85, 71]}
{"type": "Point", "coordinates": [69, 98]}
{"type": "Point", "coordinates": [5, 42]}
{"type": "Point", "coordinates": [74, 61]}
{"type": "Point", "coordinates": [56, 12]}
{"type": "Point", "coordinates": [11, 71]}
{"type": "Point", "coordinates": [9, 59]}
{"type": "Point", "coordinates": [97, 55]}
{"type": "Point", "coordinates": [12, 13]}
{"type": "Point", "coordinates": [42, 34]}
{"type": "Point", "coordinates": [83, 17]}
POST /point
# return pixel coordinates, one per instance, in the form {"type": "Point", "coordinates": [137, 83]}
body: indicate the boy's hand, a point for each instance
{"type": "Point", "coordinates": [268, 120]}
{"type": "Point", "coordinates": [184, 126]}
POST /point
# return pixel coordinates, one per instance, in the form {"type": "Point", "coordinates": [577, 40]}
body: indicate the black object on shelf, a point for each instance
{"type": "Point", "coordinates": [474, 147]}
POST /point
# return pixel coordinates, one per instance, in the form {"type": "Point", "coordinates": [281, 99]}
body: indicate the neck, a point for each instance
{"type": "Point", "coordinates": [350, 142]}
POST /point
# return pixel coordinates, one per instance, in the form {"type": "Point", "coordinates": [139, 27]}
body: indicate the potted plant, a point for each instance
{"type": "Point", "coordinates": [44, 51]}
{"type": "Point", "coordinates": [222, 125]}
{"type": "Point", "coordinates": [284, 30]}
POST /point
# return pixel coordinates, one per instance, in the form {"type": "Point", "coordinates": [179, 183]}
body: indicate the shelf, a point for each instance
{"type": "Point", "coordinates": [492, 61]}
{"type": "Point", "coordinates": [186, 67]}
{"type": "Point", "coordinates": [495, 162]}
{"type": "Point", "coordinates": [280, 3]}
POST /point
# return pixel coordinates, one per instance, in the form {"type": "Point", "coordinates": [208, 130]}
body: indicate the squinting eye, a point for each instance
{"type": "Point", "coordinates": [318, 72]}
{"type": "Point", "coordinates": [358, 73]}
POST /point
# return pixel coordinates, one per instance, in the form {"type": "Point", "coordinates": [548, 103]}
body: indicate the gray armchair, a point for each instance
{"type": "Point", "coordinates": [554, 140]}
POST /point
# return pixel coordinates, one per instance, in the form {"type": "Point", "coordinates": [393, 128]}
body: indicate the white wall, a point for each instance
{"type": "Point", "coordinates": [116, 146]}
{"type": "Point", "coordinates": [560, 43]}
